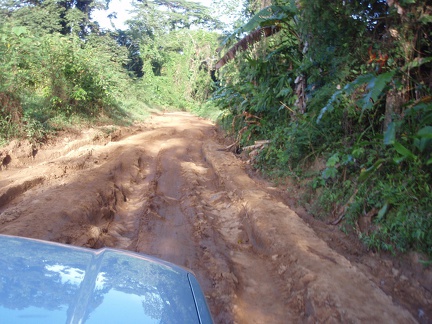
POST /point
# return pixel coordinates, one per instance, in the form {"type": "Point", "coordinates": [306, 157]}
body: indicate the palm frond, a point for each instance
{"type": "Point", "coordinates": [265, 23]}
{"type": "Point", "coordinates": [245, 42]}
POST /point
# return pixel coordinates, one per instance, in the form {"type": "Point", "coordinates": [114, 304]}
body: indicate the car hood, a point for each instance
{"type": "Point", "coordinates": [43, 282]}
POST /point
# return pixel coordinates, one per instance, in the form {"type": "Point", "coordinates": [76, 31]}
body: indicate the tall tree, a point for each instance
{"type": "Point", "coordinates": [70, 16]}
{"type": "Point", "coordinates": [179, 14]}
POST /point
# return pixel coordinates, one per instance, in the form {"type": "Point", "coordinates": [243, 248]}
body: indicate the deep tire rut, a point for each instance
{"type": "Point", "coordinates": [169, 191]}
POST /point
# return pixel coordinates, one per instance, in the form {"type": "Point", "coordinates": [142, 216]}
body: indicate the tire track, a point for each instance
{"type": "Point", "coordinates": [169, 192]}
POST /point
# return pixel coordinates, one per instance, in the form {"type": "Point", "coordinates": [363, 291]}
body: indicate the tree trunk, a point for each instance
{"type": "Point", "coordinates": [265, 3]}
{"type": "Point", "coordinates": [300, 91]}
{"type": "Point", "coordinates": [394, 102]}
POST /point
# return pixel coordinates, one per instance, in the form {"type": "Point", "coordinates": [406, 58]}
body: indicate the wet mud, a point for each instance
{"type": "Point", "coordinates": [167, 189]}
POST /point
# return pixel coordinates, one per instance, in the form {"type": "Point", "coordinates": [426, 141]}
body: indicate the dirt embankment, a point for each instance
{"type": "Point", "coordinates": [168, 190]}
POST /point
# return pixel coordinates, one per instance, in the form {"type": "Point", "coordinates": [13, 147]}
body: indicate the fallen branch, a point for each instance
{"type": "Point", "coordinates": [258, 145]}
{"type": "Point", "coordinates": [343, 209]}
{"type": "Point", "coordinates": [263, 142]}
{"type": "Point", "coordinates": [229, 147]}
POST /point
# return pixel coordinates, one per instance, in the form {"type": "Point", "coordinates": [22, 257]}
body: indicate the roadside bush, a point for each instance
{"type": "Point", "coordinates": [53, 75]}
{"type": "Point", "coordinates": [360, 103]}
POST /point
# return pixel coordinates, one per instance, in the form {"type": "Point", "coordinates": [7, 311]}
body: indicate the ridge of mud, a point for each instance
{"type": "Point", "coordinates": [169, 192]}
{"type": "Point", "coordinates": [324, 296]}
{"type": "Point", "coordinates": [12, 191]}
{"type": "Point", "coordinates": [25, 153]}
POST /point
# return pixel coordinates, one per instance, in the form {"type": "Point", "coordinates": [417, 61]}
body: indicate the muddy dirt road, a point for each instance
{"type": "Point", "coordinates": [168, 190]}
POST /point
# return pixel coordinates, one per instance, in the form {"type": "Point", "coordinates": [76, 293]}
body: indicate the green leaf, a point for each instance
{"type": "Point", "coordinates": [382, 212]}
{"type": "Point", "coordinates": [365, 174]}
{"type": "Point", "coordinates": [362, 79]}
{"type": "Point", "coordinates": [358, 152]}
{"type": "Point", "coordinates": [19, 30]}
{"type": "Point", "coordinates": [425, 19]}
{"type": "Point", "coordinates": [329, 107]}
{"type": "Point", "coordinates": [333, 160]}
{"type": "Point", "coordinates": [423, 142]}
{"type": "Point", "coordinates": [376, 87]}
{"type": "Point", "coordinates": [347, 90]}
{"type": "Point", "coordinates": [402, 150]}
{"type": "Point", "coordinates": [390, 134]}
{"type": "Point", "coordinates": [425, 132]}
{"type": "Point", "coordinates": [398, 160]}
{"type": "Point", "coordinates": [330, 172]}
{"type": "Point", "coordinates": [406, 2]}
{"type": "Point", "coordinates": [284, 92]}
{"type": "Point", "coordinates": [417, 62]}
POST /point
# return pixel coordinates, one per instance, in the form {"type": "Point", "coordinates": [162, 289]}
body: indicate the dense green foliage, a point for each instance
{"type": "Point", "coordinates": [47, 77]}
{"type": "Point", "coordinates": [176, 60]}
{"type": "Point", "coordinates": [348, 84]}
{"type": "Point", "coordinates": [59, 69]}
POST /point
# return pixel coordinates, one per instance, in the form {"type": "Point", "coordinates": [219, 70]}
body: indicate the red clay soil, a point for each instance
{"type": "Point", "coordinates": [168, 189]}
